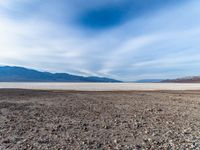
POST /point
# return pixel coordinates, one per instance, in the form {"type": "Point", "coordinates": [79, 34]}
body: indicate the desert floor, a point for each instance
{"type": "Point", "coordinates": [72, 86]}
{"type": "Point", "coordinates": [36, 119]}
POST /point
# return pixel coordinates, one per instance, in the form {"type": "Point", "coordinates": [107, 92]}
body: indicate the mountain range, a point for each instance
{"type": "Point", "coordinates": [21, 74]}
{"type": "Point", "coordinates": [191, 79]}
{"type": "Point", "coordinates": [149, 81]}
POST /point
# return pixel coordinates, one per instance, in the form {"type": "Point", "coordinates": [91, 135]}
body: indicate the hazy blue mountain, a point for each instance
{"type": "Point", "coordinates": [20, 74]}
{"type": "Point", "coordinates": [149, 81]}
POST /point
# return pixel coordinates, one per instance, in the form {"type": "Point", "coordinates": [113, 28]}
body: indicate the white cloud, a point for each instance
{"type": "Point", "coordinates": [127, 52]}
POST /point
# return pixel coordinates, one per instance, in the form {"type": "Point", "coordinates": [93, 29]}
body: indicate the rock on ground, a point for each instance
{"type": "Point", "coordinates": [32, 120]}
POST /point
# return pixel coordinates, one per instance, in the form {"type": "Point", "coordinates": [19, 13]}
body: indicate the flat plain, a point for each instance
{"type": "Point", "coordinates": [99, 86]}
{"type": "Point", "coordinates": [58, 119]}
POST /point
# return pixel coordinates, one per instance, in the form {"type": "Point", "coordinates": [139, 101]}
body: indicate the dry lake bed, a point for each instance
{"type": "Point", "coordinates": [95, 117]}
{"type": "Point", "coordinates": [101, 86]}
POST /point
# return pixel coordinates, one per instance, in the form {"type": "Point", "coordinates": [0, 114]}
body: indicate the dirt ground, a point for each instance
{"type": "Point", "coordinates": [31, 119]}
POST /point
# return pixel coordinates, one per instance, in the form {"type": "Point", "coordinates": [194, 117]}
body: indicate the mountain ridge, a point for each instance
{"type": "Point", "coordinates": [22, 74]}
{"type": "Point", "coordinates": [149, 81]}
{"type": "Point", "coordinates": [189, 79]}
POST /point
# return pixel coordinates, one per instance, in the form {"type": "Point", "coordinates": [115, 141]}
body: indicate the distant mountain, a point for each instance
{"type": "Point", "coordinates": [20, 74]}
{"type": "Point", "coordinates": [192, 79]}
{"type": "Point", "coordinates": [149, 81]}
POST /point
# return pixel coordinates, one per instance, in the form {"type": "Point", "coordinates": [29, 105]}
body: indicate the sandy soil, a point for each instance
{"type": "Point", "coordinates": [99, 120]}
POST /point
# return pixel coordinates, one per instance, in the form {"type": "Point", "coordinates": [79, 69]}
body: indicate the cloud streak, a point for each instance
{"type": "Point", "coordinates": [159, 40]}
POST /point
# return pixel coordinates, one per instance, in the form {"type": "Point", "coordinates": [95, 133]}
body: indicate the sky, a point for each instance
{"type": "Point", "coordinates": [123, 39]}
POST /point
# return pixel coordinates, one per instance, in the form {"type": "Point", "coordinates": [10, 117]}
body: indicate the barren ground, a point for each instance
{"type": "Point", "coordinates": [31, 119]}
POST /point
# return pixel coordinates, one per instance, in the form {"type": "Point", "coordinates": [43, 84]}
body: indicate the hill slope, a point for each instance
{"type": "Point", "coordinates": [149, 81]}
{"type": "Point", "coordinates": [20, 74]}
{"type": "Point", "coordinates": [193, 79]}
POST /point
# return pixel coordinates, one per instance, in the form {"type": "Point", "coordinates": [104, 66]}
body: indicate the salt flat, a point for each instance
{"type": "Point", "coordinates": [100, 86]}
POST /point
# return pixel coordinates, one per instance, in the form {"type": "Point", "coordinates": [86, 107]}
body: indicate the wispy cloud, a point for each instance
{"type": "Point", "coordinates": [159, 42]}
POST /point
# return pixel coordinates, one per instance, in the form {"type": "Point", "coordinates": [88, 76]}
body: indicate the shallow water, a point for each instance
{"type": "Point", "coordinates": [101, 86]}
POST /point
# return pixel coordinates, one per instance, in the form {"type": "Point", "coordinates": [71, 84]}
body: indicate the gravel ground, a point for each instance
{"type": "Point", "coordinates": [31, 119]}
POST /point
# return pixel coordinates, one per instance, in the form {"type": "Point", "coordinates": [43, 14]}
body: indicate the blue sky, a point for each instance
{"type": "Point", "coordinates": [123, 39]}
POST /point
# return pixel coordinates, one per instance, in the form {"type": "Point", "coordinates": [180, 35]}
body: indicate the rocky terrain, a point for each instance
{"type": "Point", "coordinates": [99, 120]}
